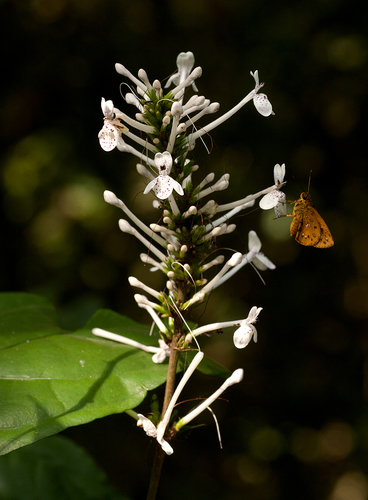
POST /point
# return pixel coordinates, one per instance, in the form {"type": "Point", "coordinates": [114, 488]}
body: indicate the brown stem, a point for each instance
{"type": "Point", "coordinates": [160, 454]}
{"type": "Point", "coordinates": [156, 472]}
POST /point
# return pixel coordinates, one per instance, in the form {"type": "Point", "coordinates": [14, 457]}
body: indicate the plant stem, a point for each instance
{"type": "Point", "coordinates": [159, 453]}
{"type": "Point", "coordinates": [156, 472]}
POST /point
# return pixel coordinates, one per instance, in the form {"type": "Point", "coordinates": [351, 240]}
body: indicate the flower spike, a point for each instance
{"type": "Point", "coordinates": [182, 240]}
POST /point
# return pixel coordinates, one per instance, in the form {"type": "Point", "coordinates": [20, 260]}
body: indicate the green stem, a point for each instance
{"type": "Point", "coordinates": [160, 454]}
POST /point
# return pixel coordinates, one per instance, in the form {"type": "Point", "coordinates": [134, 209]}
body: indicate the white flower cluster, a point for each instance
{"type": "Point", "coordinates": [181, 244]}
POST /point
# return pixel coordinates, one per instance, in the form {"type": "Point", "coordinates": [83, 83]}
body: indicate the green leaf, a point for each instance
{"type": "Point", "coordinates": [54, 468]}
{"type": "Point", "coordinates": [24, 316]}
{"type": "Point", "coordinates": [51, 379]}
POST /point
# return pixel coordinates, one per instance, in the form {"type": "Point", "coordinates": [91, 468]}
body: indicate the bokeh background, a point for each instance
{"type": "Point", "coordinates": [297, 426]}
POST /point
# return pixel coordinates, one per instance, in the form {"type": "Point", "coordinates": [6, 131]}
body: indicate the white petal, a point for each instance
{"type": "Point", "coordinates": [270, 200]}
{"type": "Point", "coordinates": [108, 137]}
{"type": "Point", "coordinates": [253, 314]}
{"type": "Point", "coordinates": [262, 262]}
{"type": "Point", "coordinates": [163, 353]}
{"type": "Point", "coordinates": [262, 104]}
{"type": "Point", "coordinates": [150, 186]}
{"type": "Point", "coordinates": [175, 79]}
{"type": "Point", "coordinates": [163, 159]}
{"type": "Point", "coordinates": [243, 335]}
{"type": "Point", "coordinates": [148, 427]}
{"type": "Point", "coordinates": [107, 108]}
{"type": "Point", "coordinates": [177, 187]}
{"type": "Point", "coordinates": [280, 208]}
{"type": "Point", "coordinates": [254, 243]}
{"type": "Point", "coordinates": [279, 173]}
{"type": "Point", "coordinates": [163, 187]}
{"type": "Point", "coordinates": [185, 60]}
{"type": "Point", "coordinates": [256, 77]}
{"type": "Point", "coordinates": [159, 357]}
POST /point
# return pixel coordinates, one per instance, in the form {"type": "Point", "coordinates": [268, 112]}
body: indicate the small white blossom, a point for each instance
{"type": "Point", "coordinates": [261, 103]}
{"type": "Point", "coordinates": [163, 185]}
{"type": "Point", "coordinates": [148, 426]}
{"type": "Point", "coordinates": [276, 199]}
{"type": "Point", "coordinates": [185, 63]}
{"type": "Point", "coordinates": [263, 106]}
{"type": "Point", "coordinates": [110, 134]}
{"type": "Point", "coordinates": [254, 255]}
{"type": "Point", "coordinates": [151, 431]}
{"type": "Point", "coordinates": [162, 354]}
{"type": "Point", "coordinates": [244, 334]}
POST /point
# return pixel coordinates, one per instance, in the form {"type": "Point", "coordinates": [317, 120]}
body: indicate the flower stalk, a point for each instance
{"type": "Point", "coordinates": [181, 243]}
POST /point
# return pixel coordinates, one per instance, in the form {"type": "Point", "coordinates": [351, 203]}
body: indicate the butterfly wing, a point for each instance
{"type": "Point", "coordinates": [305, 226]}
{"type": "Point", "coordinates": [308, 228]}
{"type": "Point", "coordinates": [326, 239]}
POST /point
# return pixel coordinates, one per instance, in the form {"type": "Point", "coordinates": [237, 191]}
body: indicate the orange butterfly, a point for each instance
{"type": "Point", "coordinates": [308, 227]}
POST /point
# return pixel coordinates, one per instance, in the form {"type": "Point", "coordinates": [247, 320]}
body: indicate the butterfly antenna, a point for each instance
{"type": "Point", "coordinates": [309, 180]}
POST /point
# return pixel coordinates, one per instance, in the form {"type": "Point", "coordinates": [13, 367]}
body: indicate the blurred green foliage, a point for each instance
{"type": "Point", "coordinates": [297, 427]}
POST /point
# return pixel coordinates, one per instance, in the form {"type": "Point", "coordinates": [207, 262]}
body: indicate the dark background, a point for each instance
{"type": "Point", "coordinates": [297, 426]}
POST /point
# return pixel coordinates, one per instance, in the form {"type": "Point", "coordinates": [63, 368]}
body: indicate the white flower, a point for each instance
{"type": "Point", "coordinates": [148, 426]}
{"type": "Point", "coordinates": [110, 134]}
{"type": "Point", "coordinates": [151, 431]}
{"type": "Point", "coordinates": [107, 109]}
{"type": "Point", "coordinates": [244, 334]}
{"type": "Point", "coordinates": [163, 185]}
{"type": "Point", "coordinates": [255, 256]}
{"type": "Point", "coordinates": [262, 104]}
{"type": "Point", "coordinates": [185, 63]}
{"type": "Point", "coordinates": [162, 354]}
{"type": "Point", "coordinates": [276, 199]}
